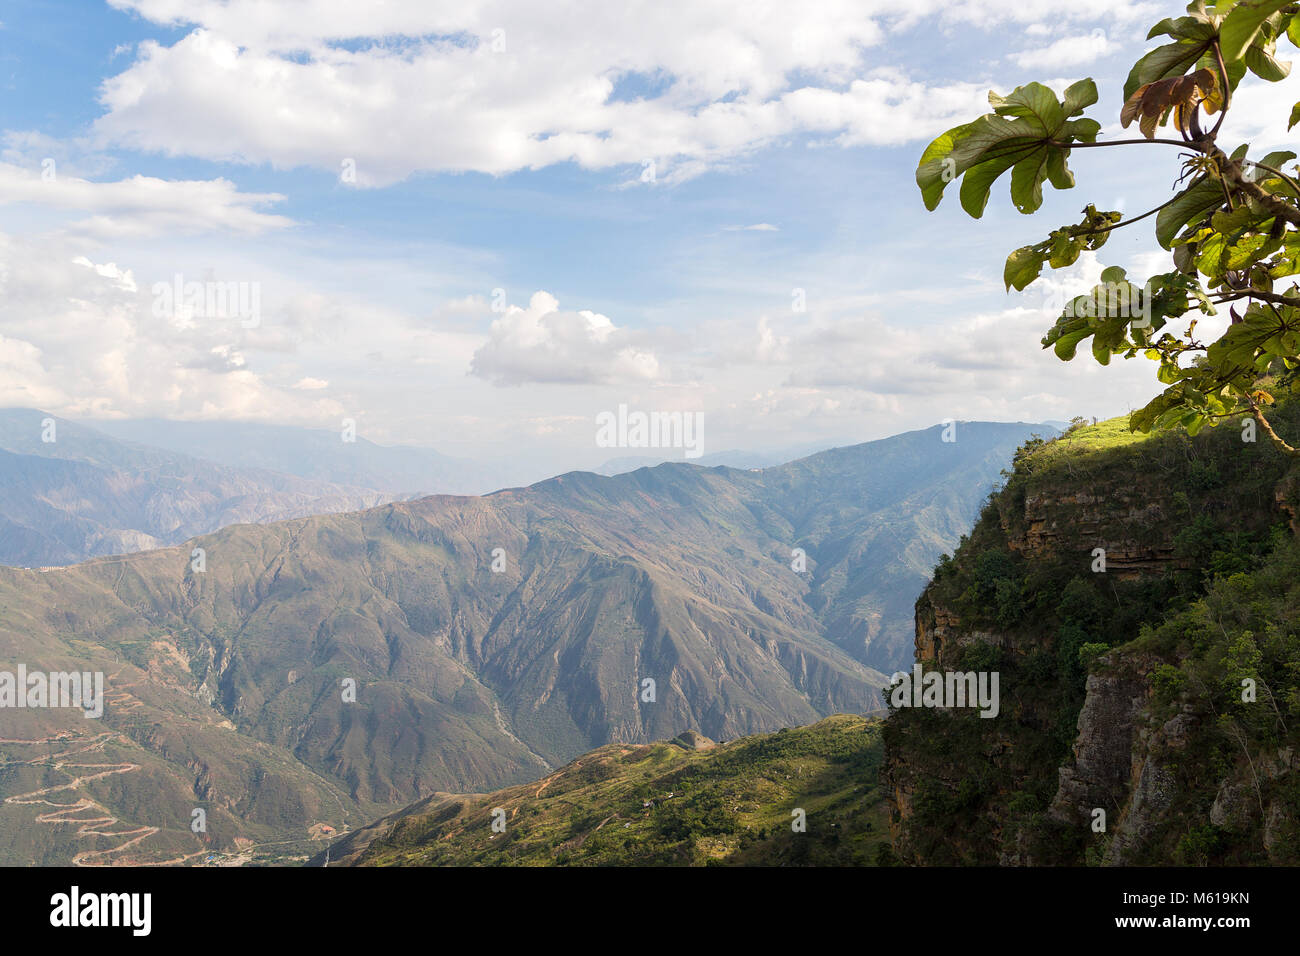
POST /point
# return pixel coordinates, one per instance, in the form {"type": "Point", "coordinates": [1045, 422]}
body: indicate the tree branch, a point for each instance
{"type": "Point", "coordinates": [1255, 294]}
{"type": "Point", "coordinates": [1127, 142]}
{"type": "Point", "coordinates": [1276, 172]}
{"type": "Point", "coordinates": [1227, 90]}
{"type": "Point", "coordinates": [1277, 440]}
{"type": "Point", "coordinates": [1231, 173]}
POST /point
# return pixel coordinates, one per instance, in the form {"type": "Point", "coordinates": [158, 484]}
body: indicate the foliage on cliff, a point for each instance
{"type": "Point", "coordinates": [1195, 597]}
{"type": "Point", "coordinates": [1242, 640]}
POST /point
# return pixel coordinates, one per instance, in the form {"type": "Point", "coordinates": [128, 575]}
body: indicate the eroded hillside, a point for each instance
{"type": "Point", "coordinates": [319, 672]}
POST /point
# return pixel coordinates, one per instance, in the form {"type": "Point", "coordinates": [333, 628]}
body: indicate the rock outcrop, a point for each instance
{"type": "Point", "coordinates": [1106, 750]}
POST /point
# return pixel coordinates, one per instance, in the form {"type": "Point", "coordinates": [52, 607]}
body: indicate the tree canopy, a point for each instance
{"type": "Point", "coordinates": [1232, 228]}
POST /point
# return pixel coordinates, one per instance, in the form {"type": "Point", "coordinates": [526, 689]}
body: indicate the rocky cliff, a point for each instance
{"type": "Point", "coordinates": [1139, 598]}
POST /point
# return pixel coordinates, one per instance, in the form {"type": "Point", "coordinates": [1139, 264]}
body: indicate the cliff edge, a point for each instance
{"type": "Point", "coordinates": [1138, 598]}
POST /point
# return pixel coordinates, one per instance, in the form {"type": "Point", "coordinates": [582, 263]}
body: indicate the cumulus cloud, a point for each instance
{"type": "Point", "coordinates": [1067, 51]}
{"type": "Point", "coordinates": [80, 337]}
{"type": "Point", "coordinates": [544, 345]}
{"type": "Point", "coordinates": [496, 86]}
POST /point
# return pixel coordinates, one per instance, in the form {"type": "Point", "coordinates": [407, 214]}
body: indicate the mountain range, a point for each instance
{"type": "Point", "coordinates": [69, 492]}
{"type": "Point", "coordinates": [323, 456]}
{"type": "Point", "coordinates": [321, 671]}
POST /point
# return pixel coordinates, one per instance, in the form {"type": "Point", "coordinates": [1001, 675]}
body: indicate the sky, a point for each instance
{"type": "Point", "coordinates": [477, 226]}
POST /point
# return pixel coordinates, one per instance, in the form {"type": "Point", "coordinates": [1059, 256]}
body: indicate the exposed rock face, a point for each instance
{"type": "Point", "coordinates": [966, 790]}
{"type": "Point", "coordinates": [940, 635]}
{"type": "Point", "coordinates": [1119, 765]}
{"type": "Point", "coordinates": [1123, 762]}
{"type": "Point", "coordinates": [1104, 519]}
{"type": "Point", "coordinates": [1103, 764]}
{"type": "Point", "coordinates": [693, 740]}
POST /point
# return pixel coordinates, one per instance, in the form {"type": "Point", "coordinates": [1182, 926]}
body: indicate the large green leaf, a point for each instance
{"type": "Point", "coordinates": [939, 169]}
{"type": "Point", "coordinates": [1079, 96]}
{"type": "Point", "coordinates": [1033, 102]}
{"type": "Point", "coordinates": [1278, 158]}
{"type": "Point", "coordinates": [1028, 132]}
{"type": "Point", "coordinates": [1198, 199]}
{"type": "Point", "coordinates": [1023, 267]}
{"type": "Point", "coordinates": [1243, 26]}
{"type": "Point", "coordinates": [1263, 64]}
{"type": "Point", "coordinates": [978, 183]}
{"type": "Point", "coordinates": [1027, 181]}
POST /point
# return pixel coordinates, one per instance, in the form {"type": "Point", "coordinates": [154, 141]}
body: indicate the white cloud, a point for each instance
{"type": "Point", "coordinates": [496, 86]}
{"type": "Point", "coordinates": [1065, 52]}
{"type": "Point", "coordinates": [81, 338]}
{"type": "Point", "coordinates": [541, 344]}
{"type": "Point", "coordinates": [143, 205]}
{"type": "Point", "coordinates": [1259, 114]}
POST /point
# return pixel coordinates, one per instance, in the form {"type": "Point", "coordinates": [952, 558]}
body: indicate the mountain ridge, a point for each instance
{"type": "Point", "coordinates": [82, 494]}
{"type": "Point", "coordinates": [469, 678]}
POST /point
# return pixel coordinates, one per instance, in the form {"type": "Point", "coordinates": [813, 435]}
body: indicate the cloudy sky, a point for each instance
{"type": "Point", "coordinates": [477, 225]}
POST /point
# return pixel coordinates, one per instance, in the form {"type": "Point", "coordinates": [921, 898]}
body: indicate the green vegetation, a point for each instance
{"type": "Point", "coordinates": [1245, 629]}
{"type": "Point", "coordinates": [1233, 231]}
{"type": "Point", "coordinates": [1200, 592]}
{"type": "Point", "coordinates": [1098, 478]}
{"type": "Point", "coordinates": [667, 804]}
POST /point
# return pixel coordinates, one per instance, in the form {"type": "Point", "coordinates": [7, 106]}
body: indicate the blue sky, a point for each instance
{"type": "Point", "coordinates": [502, 155]}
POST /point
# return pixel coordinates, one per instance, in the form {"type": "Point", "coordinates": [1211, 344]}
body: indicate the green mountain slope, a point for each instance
{"type": "Point", "coordinates": [1122, 690]}
{"type": "Point", "coordinates": [684, 802]}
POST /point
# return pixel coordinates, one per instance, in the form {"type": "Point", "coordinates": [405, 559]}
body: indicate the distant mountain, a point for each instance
{"type": "Point", "coordinates": [490, 639]}
{"type": "Point", "coordinates": [732, 459]}
{"type": "Point", "coordinates": [682, 802]}
{"type": "Point", "coordinates": [322, 455]}
{"type": "Point", "coordinates": [82, 494]}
